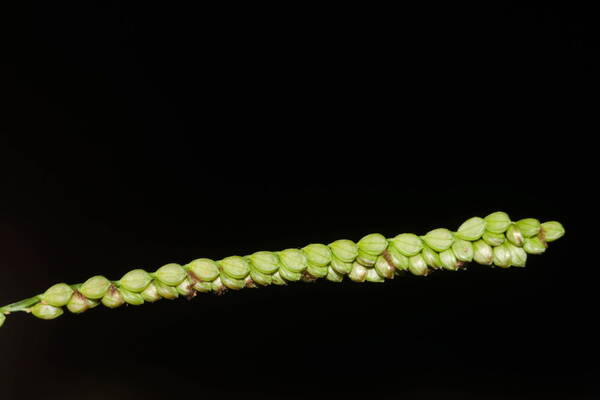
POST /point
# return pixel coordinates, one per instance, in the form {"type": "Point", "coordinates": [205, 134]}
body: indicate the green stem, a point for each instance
{"type": "Point", "coordinates": [22, 305]}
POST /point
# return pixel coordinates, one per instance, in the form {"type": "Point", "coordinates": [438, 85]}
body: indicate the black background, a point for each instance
{"type": "Point", "coordinates": [140, 134]}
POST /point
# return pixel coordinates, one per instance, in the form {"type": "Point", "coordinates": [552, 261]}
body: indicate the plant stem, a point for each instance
{"type": "Point", "coordinates": [22, 305]}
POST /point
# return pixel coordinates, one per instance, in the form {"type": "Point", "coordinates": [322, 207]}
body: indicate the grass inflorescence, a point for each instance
{"type": "Point", "coordinates": [494, 240]}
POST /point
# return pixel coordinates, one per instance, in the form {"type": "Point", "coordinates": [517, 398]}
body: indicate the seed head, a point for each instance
{"type": "Point", "coordinates": [490, 240]}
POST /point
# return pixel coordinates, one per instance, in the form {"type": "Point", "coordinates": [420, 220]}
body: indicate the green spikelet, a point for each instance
{"type": "Point", "coordinates": [318, 254]}
{"type": "Point", "coordinates": [449, 260]}
{"type": "Point", "coordinates": [78, 303]}
{"type": "Point", "coordinates": [431, 258]}
{"type": "Point", "coordinates": [395, 258]}
{"type": "Point", "coordinates": [358, 272]}
{"type": "Point", "coordinates": [493, 239]}
{"type": "Point", "coordinates": [408, 244]}
{"type": "Point", "coordinates": [472, 229]}
{"type": "Point", "coordinates": [502, 256]}
{"type": "Point", "coordinates": [373, 244]}
{"type": "Point", "coordinates": [150, 293]}
{"type": "Point", "coordinates": [529, 227]}
{"type": "Point", "coordinates": [483, 253]}
{"type": "Point", "coordinates": [203, 269]}
{"type": "Point", "coordinates": [384, 268]}
{"type": "Point", "coordinates": [366, 259]}
{"type": "Point", "coordinates": [334, 276]}
{"type": "Point", "coordinates": [171, 274]}
{"type": "Point", "coordinates": [166, 291]}
{"type": "Point", "coordinates": [439, 239]}
{"type": "Point", "coordinates": [552, 231]}
{"type": "Point", "coordinates": [514, 235]}
{"type": "Point", "coordinates": [258, 277]}
{"type": "Point", "coordinates": [113, 297]}
{"type": "Point", "coordinates": [340, 266]}
{"type": "Point", "coordinates": [518, 255]}
{"type": "Point", "coordinates": [534, 245]}
{"type": "Point", "coordinates": [497, 222]}
{"type": "Point", "coordinates": [135, 299]}
{"type": "Point", "coordinates": [46, 311]}
{"type": "Point", "coordinates": [344, 250]}
{"type": "Point", "coordinates": [417, 265]}
{"type": "Point", "coordinates": [95, 287]}
{"type": "Point", "coordinates": [463, 250]}
{"type": "Point", "coordinates": [58, 295]}
{"type": "Point", "coordinates": [135, 280]}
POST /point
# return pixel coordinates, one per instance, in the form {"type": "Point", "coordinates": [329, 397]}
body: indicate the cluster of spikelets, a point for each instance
{"type": "Point", "coordinates": [493, 240]}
